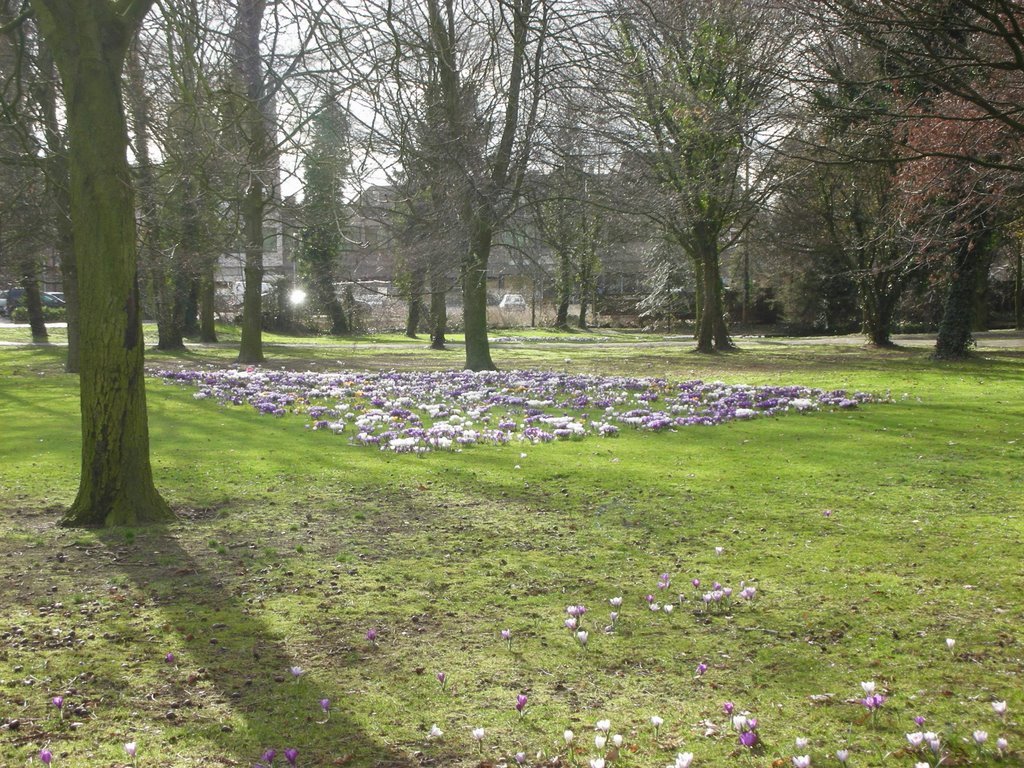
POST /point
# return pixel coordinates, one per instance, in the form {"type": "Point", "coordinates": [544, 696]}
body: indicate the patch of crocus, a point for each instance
{"type": "Point", "coordinates": [801, 761]}
{"type": "Point", "coordinates": [435, 732]}
{"type": "Point", "coordinates": [999, 707]}
{"type": "Point", "coordinates": [683, 760]}
{"type": "Point", "coordinates": [521, 703]}
{"type": "Point", "coordinates": [291, 755]}
{"type": "Point", "coordinates": [842, 755]}
{"type": "Point", "coordinates": [873, 702]}
{"type": "Point", "coordinates": [371, 635]}
{"type": "Point", "coordinates": [297, 672]}
{"type": "Point", "coordinates": [581, 637]}
{"type": "Point", "coordinates": [45, 756]}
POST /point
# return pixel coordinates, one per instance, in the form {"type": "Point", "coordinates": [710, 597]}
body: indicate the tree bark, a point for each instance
{"type": "Point", "coordinates": [251, 347]}
{"type": "Point", "coordinates": [89, 42]}
{"type": "Point", "coordinates": [474, 299]}
{"type": "Point", "coordinates": [34, 303]}
{"type": "Point", "coordinates": [207, 304]}
{"type": "Point", "coordinates": [954, 339]}
{"type": "Point", "coordinates": [438, 310]}
{"type": "Point", "coordinates": [1018, 291]}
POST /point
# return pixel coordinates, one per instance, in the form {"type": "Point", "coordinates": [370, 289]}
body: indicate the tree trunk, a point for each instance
{"type": "Point", "coordinates": [564, 285]}
{"type": "Point", "coordinates": [69, 276]}
{"type": "Point", "coordinates": [712, 333]}
{"type": "Point", "coordinates": [251, 348]}
{"type": "Point", "coordinates": [208, 304]}
{"type": "Point", "coordinates": [417, 284]}
{"type": "Point", "coordinates": [1018, 291]}
{"type": "Point", "coordinates": [954, 338]}
{"type": "Point", "coordinates": [89, 41]}
{"type": "Point", "coordinates": [438, 309]}
{"type": "Point", "coordinates": [474, 299]}
{"type": "Point", "coordinates": [34, 303]}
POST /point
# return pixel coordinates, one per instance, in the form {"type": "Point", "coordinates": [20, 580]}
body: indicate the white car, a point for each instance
{"type": "Point", "coordinates": [512, 301]}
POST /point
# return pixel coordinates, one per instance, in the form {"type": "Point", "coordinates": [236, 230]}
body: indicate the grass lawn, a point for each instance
{"type": "Point", "coordinates": [870, 535]}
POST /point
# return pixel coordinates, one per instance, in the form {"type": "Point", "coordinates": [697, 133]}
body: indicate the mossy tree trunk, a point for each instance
{"type": "Point", "coordinates": [34, 301]}
{"type": "Point", "coordinates": [438, 309]}
{"type": "Point", "coordinates": [89, 41]}
{"type": "Point", "coordinates": [474, 299]}
{"type": "Point", "coordinates": [954, 339]}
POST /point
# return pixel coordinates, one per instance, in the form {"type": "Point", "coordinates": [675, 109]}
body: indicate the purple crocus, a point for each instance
{"type": "Point", "coordinates": [748, 738]}
{"type": "Point", "coordinates": [919, 720]}
{"type": "Point", "coordinates": [701, 669]}
{"type": "Point", "coordinates": [664, 581]}
{"type": "Point", "coordinates": [506, 635]}
{"type": "Point", "coordinates": [325, 705]}
{"type": "Point", "coordinates": [442, 678]}
{"type": "Point", "coordinates": [696, 583]}
{"type": "Point", "coordinates": [728, 707]}
{"type": "Point", "coordinates": [169, 658]}
{"type": "Point", "coordinates": [520, 703]}
{"type": "Point", "coordinates": [45, 756]}
{"type": "Point", "coordinates": [268, 756]}
{"type": "Point", "coordinates": [371, 635]}
{"type": "Point", "coordinates": [291, 755]}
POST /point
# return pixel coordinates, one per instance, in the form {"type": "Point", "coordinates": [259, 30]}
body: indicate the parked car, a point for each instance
{"type": "Point", "coordinates": [15, 296]}
{"type": "Point", "coordinates": [512, 301]}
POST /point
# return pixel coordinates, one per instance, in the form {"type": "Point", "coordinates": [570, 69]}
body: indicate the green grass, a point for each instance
{"type": "Point", "coordinates": [292, 544]}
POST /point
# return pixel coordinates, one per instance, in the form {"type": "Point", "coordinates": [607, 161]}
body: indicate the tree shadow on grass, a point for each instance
{"type": "Point", "coordinates": [231, 681]}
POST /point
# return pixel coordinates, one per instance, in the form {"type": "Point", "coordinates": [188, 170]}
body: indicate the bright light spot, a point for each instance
{"type": "Point", "coordinates": [297, 296]}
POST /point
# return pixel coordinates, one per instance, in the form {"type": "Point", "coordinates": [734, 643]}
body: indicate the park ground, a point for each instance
{"type": "Point", "coordinates": [873, 536]}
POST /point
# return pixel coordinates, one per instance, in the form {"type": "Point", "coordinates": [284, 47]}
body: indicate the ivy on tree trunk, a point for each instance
{"type": "Point", "coordinates": [89, 41]}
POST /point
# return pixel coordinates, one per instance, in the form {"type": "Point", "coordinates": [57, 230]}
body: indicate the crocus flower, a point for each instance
{"type": "Point", "coordinates": [325, 705]}
{"type": "Point", "coordinates": [950, 643]}
{"type": "Point", "coordinates": [617, 740]}
{"type": "Point", "coordinates": [58, 702]}
{"type": "Point", "coordinates": [371, 635]}
{"type": "Point", "coordinates": [683, 760]}
{"type": "Point", "coordinates": [435, 732]}
{"type": "Point", "coordinates": [169, 658]}
{"type": "Point", "coordinates": [657, 722]}
{"type": "Point", "coordinates": [748, 738]}
{"type": "Point", "coordinates": [980, 737]}
{"type": "Point", "coordinates": [701, 669]}
{"type": "Point", "coordinates": [869, 687]}
{"type": "Point", "coordinates": [719, 550]}
{"type": "Point", "coordinates": [615, 602]}
{"type": "Point", "coordinates": [521, 758]}
{"type": "Point", "coordinates": [600, 740]}
{"type": "Point", "coordinates": [45, 756]}
{"type": "Point", "coordinates": [570, 624]}
{"type": "Point", "coordinates": [801, 742]}
{"type": "Point", "coordinates": [597, 762]}
{"type": "Point", "coordinates": [269, 755]}
{"type": "Point", "coordinates": [842, 755]}
{"type": "Point", "coordinates": [696, 583]}
{"type": "Point", "coordinates": [915, 739]}
{"type": "Point", "coordinates": [728, 707]}
{"type": "Point", "coordinates": [297, 672]}
{"type": "Point", "coordinates": [520, 703]}
{"type": "Point", "coordinates": [664, 581]}
{"type": "Point", "coordinates": [919, 720]}
{"type": "Point", "coordinates": [603, 725]}
{"type": "Point", "coordinates": [668, 607]}
{"type": "Point", "coordinates": [506, 635]}
{"type": "Point", "coordinates": [922, 765]}
{"type": "Point", "coordinates": [1002, 745]}
{"type": "Point", "coordinates": [478, 734]}
{"type": "Point", "coordinates": [802, 761]}
{"type": "Point", "coordinates": [568, 736]}
{"type": "Point", "coordinates": [130, 749]}
{"type": "Point", "coordinates": [582, 636]}
{"type": "Point", "coordinates": [999, 707]}
{"type": "Point", "coordinates": [291, 755]}
{"type": "Point", "coordinates": [739, 722]}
